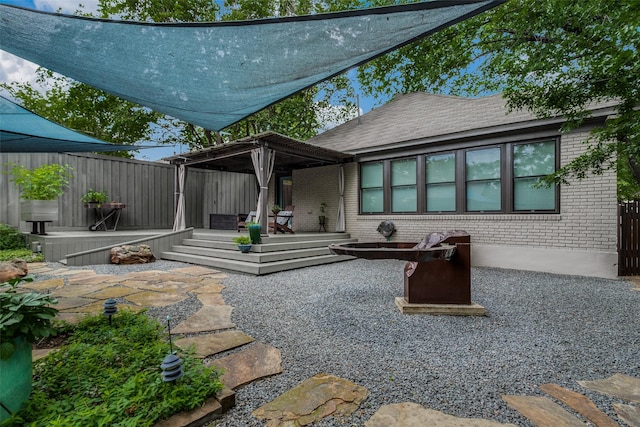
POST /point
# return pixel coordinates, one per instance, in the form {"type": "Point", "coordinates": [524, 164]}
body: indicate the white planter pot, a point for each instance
{"type": "Point", "coordinates": [39, 210]}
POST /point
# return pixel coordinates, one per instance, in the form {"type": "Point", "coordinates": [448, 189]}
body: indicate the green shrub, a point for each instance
{"type": "Point", "coordinates": [46, 182]}
{"type": "Point", "coordinates": [242, 240]}
{"type": "Point", "coordinates": [111, 376]}
{"type": "Point", "coordinates": [25, 254]}
{"type": "Point", "coordinates": [11, 238]}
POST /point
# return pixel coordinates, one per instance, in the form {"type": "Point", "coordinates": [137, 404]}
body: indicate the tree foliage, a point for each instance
{"type": "Point", "coordinates": [550, 57]}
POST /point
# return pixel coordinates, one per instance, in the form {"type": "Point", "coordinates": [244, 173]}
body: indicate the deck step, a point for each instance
{"type": "Point", "coordinates": [254, 267]}
{"type": "Point", "coordinates": [275, 253]}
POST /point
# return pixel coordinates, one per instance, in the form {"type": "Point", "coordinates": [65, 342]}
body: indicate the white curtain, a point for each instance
{"type": "Point", "coordinates": [179, 223]}
{"type": "Point", "coordinates": [263, 160]}
{"type": "Point", "coordinates": [340, 223]}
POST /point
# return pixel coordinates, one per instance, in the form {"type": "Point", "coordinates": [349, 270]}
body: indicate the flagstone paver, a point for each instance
{"type": "Point", "coordinates": [258, 361]}
{"type": "Point", "coordinates": [315, 398]}
{"type": "Point", "coordinates": [160, 286]}
{"type": "Point", "coordinates": [77, 290]}
{"type": "Point", "coordinates": [156, 299]}
{"type": "Point", "coordinates": [63, 272]}
{"type": "Point", "coordinates": [208, 288]}
{"type": "Point", "coordinates": [195, 270]}
{"type": "Point", "coordinates": [45, 285]}
{"type": "Point", "coordinates": [617, 385]}
{"type": "Point", "coordinates": [40, 353]}
{"type": "Point", "coordinates": [207, 319]}
{"type": "Point", "coordinates": [174, 277]}
{"type": "Point", "coordinates": [580, 404]}
{"type": "Point", "coordinates": [410, 414]}
{"type": "Point", "coordinates": [72, 302]}
{"type": "Point", "coordinates": [209, 344]}
{"type": "Point", "coordinates": [98, 279]}
{"type": "Point", "coordinates": [113, 292]}
{"type": "Point", "coordinates": [211, 299]}
{"type": "Point", "coordinates": [630, 414]}
{"type": "Point", "coordinates": [542, 411]}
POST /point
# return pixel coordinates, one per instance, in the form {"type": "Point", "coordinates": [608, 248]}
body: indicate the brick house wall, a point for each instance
{"type": "Point", "coordinates": [581, 239]}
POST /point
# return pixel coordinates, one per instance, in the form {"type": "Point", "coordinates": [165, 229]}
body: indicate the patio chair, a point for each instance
{"type": "Point", "coordinates": [281, 221]}
{"type": "Point", "coordinates": [243, 219]}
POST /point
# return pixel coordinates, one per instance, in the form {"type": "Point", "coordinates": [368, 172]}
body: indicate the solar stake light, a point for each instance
{"type": "Point", "coordinates": [172, 364]}
{"type": "Point", "coordinates": [110, 308]}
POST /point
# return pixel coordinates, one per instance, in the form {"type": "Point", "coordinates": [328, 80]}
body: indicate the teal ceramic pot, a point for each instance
{"type": "Point", "coordinates": [15, 378]}
{"type": "Point", "coordinates": [254, 233]}
{"type": "Point", "coordinates": [244, 248]}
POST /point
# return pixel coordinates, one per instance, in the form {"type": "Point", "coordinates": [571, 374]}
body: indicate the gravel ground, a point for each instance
{"type": "Point", "coordinates": [341, 319]}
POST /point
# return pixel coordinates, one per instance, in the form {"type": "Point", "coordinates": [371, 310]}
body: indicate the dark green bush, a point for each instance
{"type": "Point", "coordinates": [111, 376]}
{"type": "Point", "coordinates": [11, 238]}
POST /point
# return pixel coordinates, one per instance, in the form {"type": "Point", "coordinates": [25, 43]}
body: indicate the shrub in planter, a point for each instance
{"type": "Point", "coordinates": [243, 242]}
{"type": "Point", "coordinates": [40, 187]}
{"type": "Point", "coordinates": [92, 196]}
{"type": "Point", "coordinates": [46, 182]}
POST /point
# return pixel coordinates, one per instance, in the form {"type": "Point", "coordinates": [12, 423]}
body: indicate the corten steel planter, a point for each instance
{"type": "Point", "coordinates": [437, 271]}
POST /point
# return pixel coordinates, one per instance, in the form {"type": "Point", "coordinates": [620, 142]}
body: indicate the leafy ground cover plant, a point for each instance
{"type": "Point", "coordinates": [24, 254]}
{"type": "Point", "coordinates": [110, 376]}
{"type": "Point", "coordinates": [27, 314]}
{"type": "Point", "coordinates": [11, 238]}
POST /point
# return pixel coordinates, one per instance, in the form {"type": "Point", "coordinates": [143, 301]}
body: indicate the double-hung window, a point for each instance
{"type": "Point", "coordinates": [483, 176]}
{"type": "Point", "coordinates": [441, 182]}
{"type": "Point", "coordinates": [372, 187]}
{"type": "Point", "coordinates": [404, 195]}
{"type": "Point", "coordinates": [531, 162]}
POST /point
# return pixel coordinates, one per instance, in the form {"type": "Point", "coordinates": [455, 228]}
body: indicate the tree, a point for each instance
{"type": "Point", "coordinates": [83, 108]}
{"type": "Point", "coordinates": [550, 57]}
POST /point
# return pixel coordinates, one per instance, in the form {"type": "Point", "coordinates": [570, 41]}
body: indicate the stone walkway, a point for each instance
{"type": "Point", "coordinates": [211, 332]}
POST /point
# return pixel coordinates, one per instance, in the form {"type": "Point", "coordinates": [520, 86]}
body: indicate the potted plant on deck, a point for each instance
{"type": "Point", "coordinates": [255, 228]}
{"type": "Point", "coordinates": [25, 317]}
{"type": "Point", "coordinates": [94, 199]}
{"type": "Point", "coordinates": [39, 189]}
{"type": "Point", "coordinates": [244, 243]}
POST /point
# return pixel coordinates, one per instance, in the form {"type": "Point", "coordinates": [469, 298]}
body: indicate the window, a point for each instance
{"type": "Point", "coordinates": [530, 163]}
{"type": "Point", "coordinates": [372, 190]}
{"type": "Point", "coordinates": [441, 182]}
{"type": "Point", "coordinates": [404, 196]}
{"type": "Point", "coordinates": [483, 180]}
{"type": "Point", "coordinates": [470, 179]}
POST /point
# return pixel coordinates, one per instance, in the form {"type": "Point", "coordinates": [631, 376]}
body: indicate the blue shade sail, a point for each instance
{"type": "Point", "coordinates": [215, 74]}
{"type": "Point", "coordinates": [22, 131]}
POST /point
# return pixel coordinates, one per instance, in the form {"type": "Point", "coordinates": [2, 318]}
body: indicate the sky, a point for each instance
{"type": "Point", "coordinates": [15, 69]}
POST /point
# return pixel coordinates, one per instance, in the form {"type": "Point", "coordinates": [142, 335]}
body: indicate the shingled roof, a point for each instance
{"type": "Point", "coordinates": [419, 118]}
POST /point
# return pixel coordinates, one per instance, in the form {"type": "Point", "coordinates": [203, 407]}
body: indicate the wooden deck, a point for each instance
{"type": "Point", "coordinates": [214, 248]}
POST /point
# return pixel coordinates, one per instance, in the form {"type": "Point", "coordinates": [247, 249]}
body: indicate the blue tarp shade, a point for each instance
{"type": "Point", "coordinates": [215, 74]}
{"type": "Point", "coordinates": [22, 131]}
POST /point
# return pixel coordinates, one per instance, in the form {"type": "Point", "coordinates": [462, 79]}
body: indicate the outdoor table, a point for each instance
{"type": "Point", "coordinates": [105, 212]}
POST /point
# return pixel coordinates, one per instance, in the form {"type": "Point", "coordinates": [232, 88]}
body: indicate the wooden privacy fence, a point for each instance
{"type": "Point", "coordinates": [629, 238]}
{"type": "Point", "coordinates": [147, 189]}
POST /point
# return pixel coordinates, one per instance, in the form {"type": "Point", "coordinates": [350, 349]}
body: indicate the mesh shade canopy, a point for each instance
{"type": "Point", "coordinates": [215, 74]}
{"type": "Point", "coordinates": [22, 131]}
